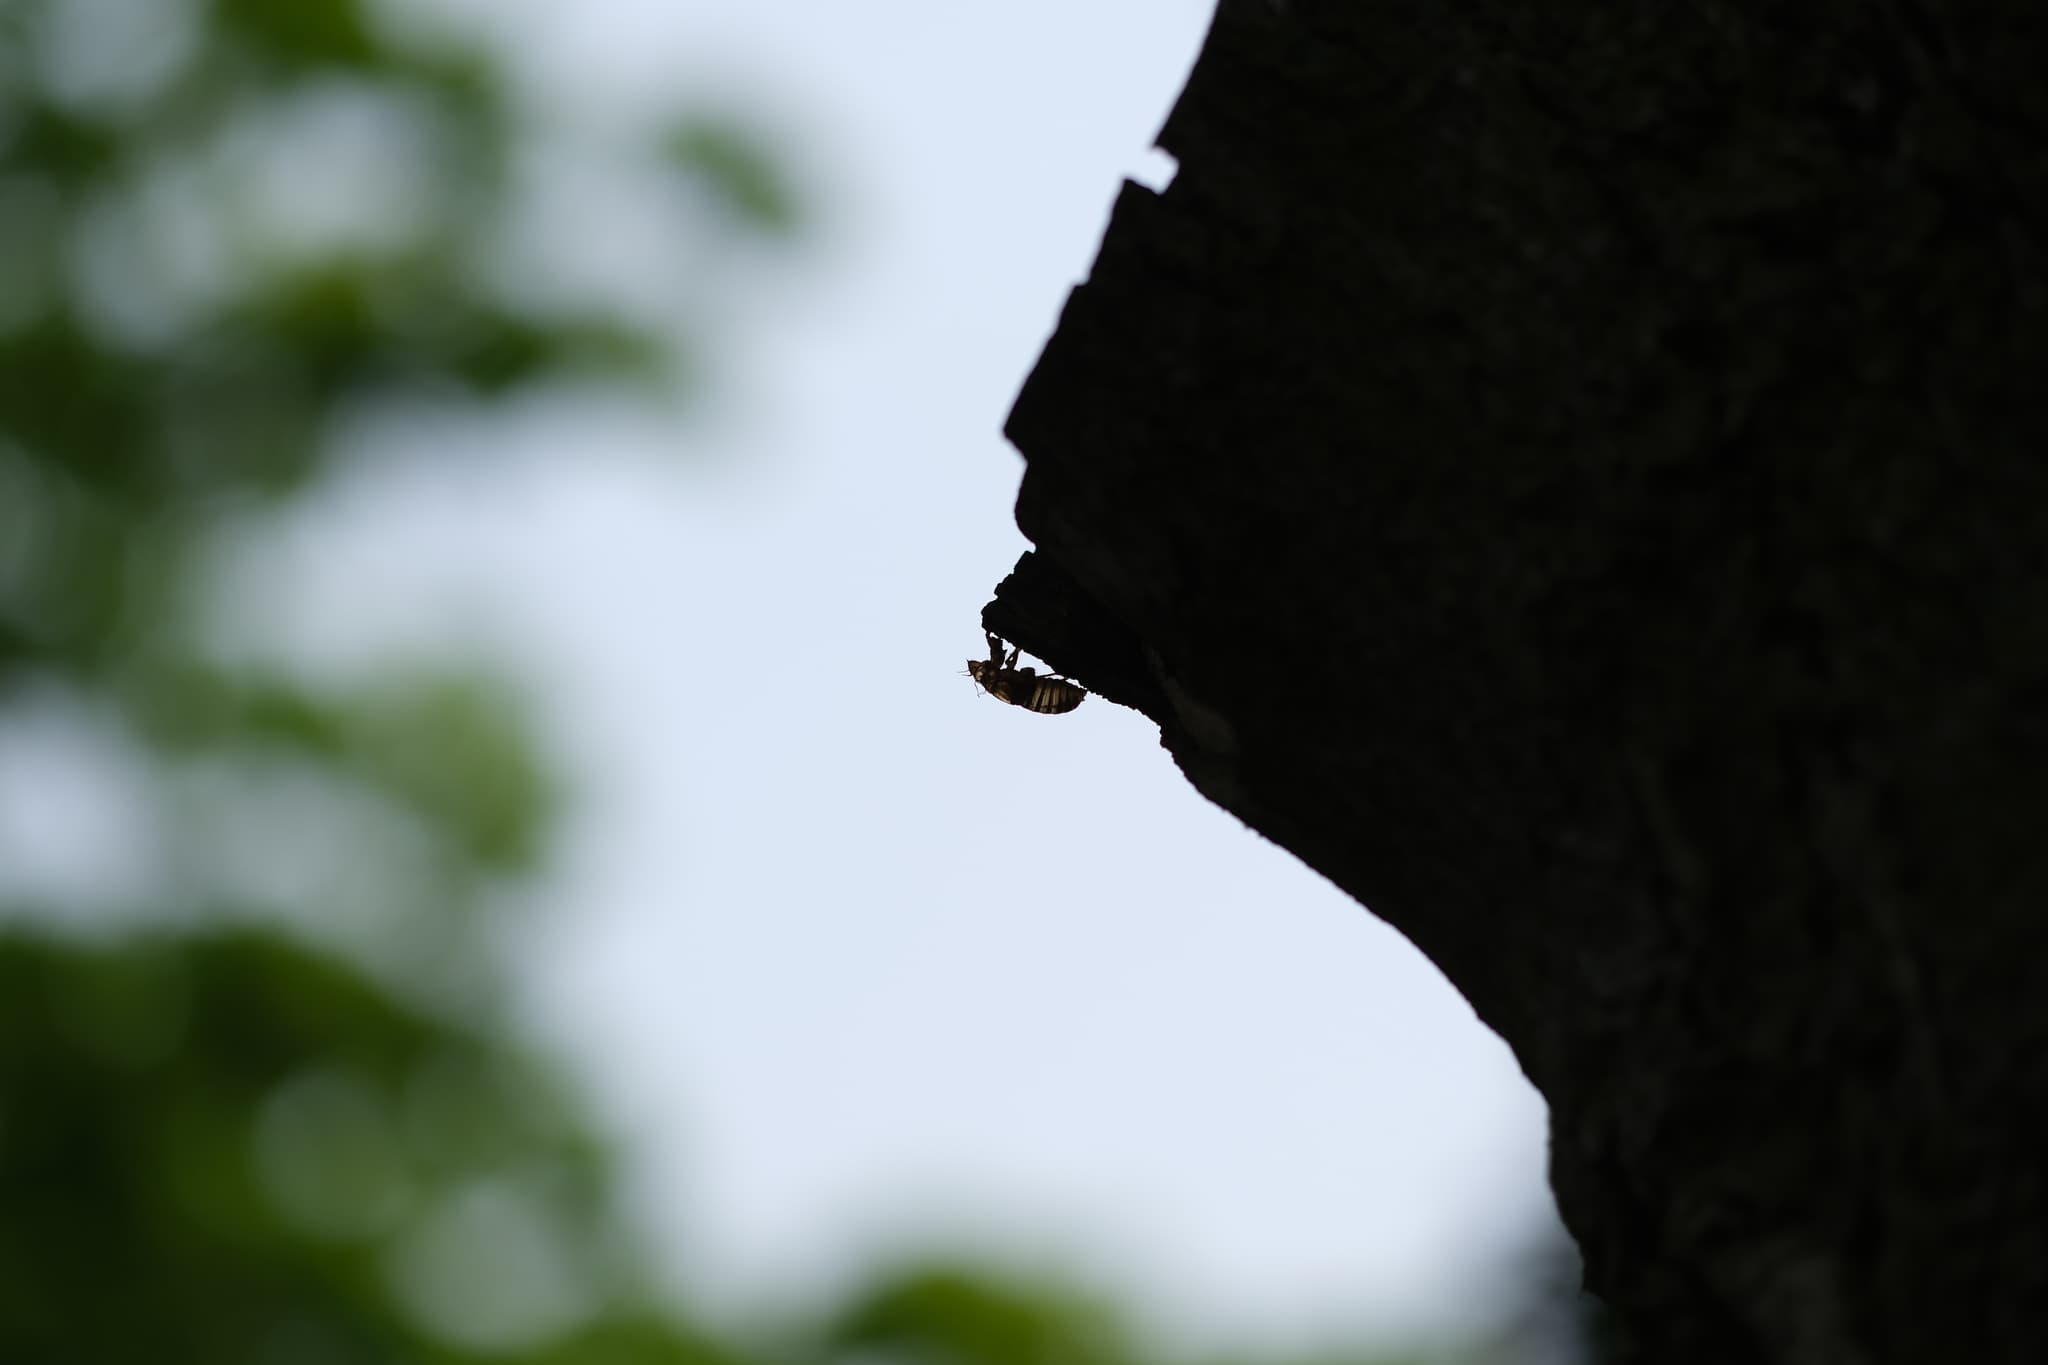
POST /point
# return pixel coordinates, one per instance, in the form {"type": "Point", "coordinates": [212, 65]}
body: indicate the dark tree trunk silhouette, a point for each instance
{"type": "Point", "coordinates": [1578, 477]}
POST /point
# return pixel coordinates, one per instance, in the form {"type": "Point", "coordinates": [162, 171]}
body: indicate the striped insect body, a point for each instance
{"type": "Point", "coordinates": [1000, 677]}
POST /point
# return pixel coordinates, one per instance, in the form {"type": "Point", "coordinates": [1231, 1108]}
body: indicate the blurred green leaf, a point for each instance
{"type": "Point", "coordinates": [946, 1315]}
{"type": "Point", "coordinates": [71, 150]}
{"type": "Point", "coordinates": [627, 1340]}
{"type": "Point", "coordinates": [72, 404]}
{"type": "Point", "coordinates": [734, 164]}
{"type": "Point", "coordinates": [456, 749]}
{"type": "Point", "coordinates": [453, 747]}
{"type": "Point", "coordinates": [304, 32]}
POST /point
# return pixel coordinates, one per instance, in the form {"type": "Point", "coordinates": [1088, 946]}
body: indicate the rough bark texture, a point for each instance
{"type": "Point", "coordinates": [1581, 483]}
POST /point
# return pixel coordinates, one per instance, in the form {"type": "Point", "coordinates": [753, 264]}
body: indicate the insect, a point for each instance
{"type": "Point", "coordinates": [999, 674]}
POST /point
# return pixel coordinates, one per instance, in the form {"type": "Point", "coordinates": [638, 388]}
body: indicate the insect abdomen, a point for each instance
{"type": "Point", "coordinates": [1047, 696]}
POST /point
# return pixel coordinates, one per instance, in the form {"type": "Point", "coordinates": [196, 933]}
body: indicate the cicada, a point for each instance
{"type": "Point", "coordinates": [999, 675]}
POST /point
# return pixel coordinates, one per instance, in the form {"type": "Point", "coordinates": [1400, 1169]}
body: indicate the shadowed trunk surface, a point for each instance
{"type": "Point", "coordinates": [1581, 483]}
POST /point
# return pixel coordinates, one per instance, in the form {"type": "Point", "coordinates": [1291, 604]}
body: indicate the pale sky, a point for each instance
{"type": "Point", "coordinates": [853, 957]}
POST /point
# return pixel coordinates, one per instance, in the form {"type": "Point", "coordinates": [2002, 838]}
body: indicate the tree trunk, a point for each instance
{"type": "Point", "coordinates": [1581, 483]}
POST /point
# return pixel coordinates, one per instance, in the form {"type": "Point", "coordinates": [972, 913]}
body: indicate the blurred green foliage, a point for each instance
{"type": "Point", "coordinates": [722, 152]}
{"type": "Point", "coordinates": [223, 1147]}
{"type": "Point", "coordinates": [448, 746]}
{"type": "Point", "coordinates": [223, 227]}
{"type": "Point", "coordinates": [949, 1315]}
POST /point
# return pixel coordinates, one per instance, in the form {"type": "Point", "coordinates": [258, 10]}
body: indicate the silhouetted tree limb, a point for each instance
{"type": "Point", "coordinates": [1577, 477]}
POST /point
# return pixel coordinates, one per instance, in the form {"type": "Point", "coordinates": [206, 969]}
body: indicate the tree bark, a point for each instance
{"type": "Point", "coordinates": [1578, 478]}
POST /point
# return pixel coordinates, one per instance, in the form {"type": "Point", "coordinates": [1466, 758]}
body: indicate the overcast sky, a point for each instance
{"type": "Point", "coordinates": [854, 956]}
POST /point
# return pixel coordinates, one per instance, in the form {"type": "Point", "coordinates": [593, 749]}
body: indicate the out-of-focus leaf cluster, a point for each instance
{"type": "Point", "coordinates": [449, 747]}
{"type": "Point", "coordinates": [221, 222]}
{"type": "Point", "coordinates": [224, 226]}
{"type": "Point", "coordinates": [226, 1148]}
{"type": "Point", "coordinates": [949, 1315]}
